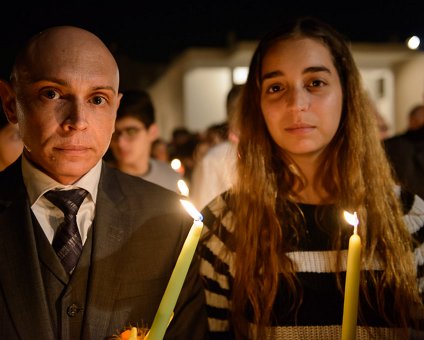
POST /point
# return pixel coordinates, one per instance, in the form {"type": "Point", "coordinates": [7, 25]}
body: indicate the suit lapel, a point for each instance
{"type": "Point", "coordinates": [20, 274]}
{"type": "Point", "coordinates": [47, 254]}
{"type": "Point", "coordinates": [108, 236]}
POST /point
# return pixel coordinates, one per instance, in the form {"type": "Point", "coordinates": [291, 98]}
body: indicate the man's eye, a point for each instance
{"type": "Point", "coordinates": [98, 100]}
{"type": "Point", "coordinates": [51, 94]}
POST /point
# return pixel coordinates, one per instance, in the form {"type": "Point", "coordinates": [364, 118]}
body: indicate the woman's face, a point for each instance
{"type": "Point", "coordinates": [301, 97]}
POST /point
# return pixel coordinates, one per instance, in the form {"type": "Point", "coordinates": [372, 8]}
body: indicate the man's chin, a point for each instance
{"type": "Point", "coordinates": [69, 172]}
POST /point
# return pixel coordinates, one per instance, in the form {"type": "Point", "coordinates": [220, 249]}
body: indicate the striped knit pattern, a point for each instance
{"type": "Point", "coordinates": [323, 304]}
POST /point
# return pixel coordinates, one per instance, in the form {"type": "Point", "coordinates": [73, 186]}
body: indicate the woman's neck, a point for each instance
{"type": "Point", "coordinates": [312, 192]}
{"type": "Point", "coordinates": [310, 195]}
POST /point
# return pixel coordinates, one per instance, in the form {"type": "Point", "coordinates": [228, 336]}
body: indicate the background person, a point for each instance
{"type": "Point", "coordinates": [160, 150]}
{"type": "Point", "coordinates": [274, 255]}
{"type": "Point", "coordinates": [135, 131]}
{"type": "Point", "coordinates": [214, 172]}
{"type": "Point", "coordinates": [128, 233]}
{"type": "Point", "coordinates": [10, 141]}
{"type": "Point", "coordinates": [406, 153]}
{"type": "Point", "coordinates": [416, 118]}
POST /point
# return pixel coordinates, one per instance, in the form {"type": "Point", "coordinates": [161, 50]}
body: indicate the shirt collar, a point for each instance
{"type": "Point", "coordinates": [37, 182]}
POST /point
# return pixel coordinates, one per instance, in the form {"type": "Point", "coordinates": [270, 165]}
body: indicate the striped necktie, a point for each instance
{"type": "Point", "coordinates": [67, 241]}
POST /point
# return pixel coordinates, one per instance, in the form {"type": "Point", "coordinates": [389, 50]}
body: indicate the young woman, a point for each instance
{"type": "Point", "coordinates": [274, 252]}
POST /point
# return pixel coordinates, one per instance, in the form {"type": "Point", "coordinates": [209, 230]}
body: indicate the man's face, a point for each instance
{"type": "Point", "coordinates": [66, 103]}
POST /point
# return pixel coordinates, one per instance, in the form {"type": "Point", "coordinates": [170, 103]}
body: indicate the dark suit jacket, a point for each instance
{"type": "Point", "coordinates": [137, 234]}
{"type": "Point", "coordinates": [406, 154]}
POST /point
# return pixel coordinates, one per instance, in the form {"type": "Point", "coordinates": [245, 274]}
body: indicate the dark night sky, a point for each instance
{"type": "Point", "coordinates": [155, 32]}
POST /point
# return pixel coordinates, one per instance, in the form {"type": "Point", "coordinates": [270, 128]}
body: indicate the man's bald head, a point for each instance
{"type": "Point", "coordinates": [65, 46]}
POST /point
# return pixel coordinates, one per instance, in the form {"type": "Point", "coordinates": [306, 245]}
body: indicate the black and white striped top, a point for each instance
{"type": "Point", "coordinates": [321, 312]}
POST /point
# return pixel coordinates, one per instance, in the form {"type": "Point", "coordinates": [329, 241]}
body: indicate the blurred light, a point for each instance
{"type": "Point", "coordinates": [240, 75]}
{"type": "Point", "coordinates": [176, 164]}
{"type": "Point", "coordinates": [413, 42]}
{"type": "Point", "coordinates": [182, 187]}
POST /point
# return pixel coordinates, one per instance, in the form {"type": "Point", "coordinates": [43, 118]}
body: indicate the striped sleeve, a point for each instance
{"type": "Point", "coordinates": [215, 266]}
{"type": "Point", "coordinates": [413, 207]}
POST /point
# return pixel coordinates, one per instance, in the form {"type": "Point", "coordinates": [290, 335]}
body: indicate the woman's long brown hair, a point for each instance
{"type": "Point", "coordinates": [354, 171]}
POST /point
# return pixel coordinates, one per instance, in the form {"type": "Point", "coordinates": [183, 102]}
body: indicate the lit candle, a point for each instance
{"type": "Point", "coordinates": [353, 269]}
{"type": "Point", "coordinates": [173, 289]}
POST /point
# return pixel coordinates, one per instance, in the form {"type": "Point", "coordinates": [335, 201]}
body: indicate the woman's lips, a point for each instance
{"type": "Point", "coordinates": [300, 128]}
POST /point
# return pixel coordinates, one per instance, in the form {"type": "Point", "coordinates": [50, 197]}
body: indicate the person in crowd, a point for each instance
{"type": "Point", "coordinates": [160, 150]}
{"type": "Point", "coordinates": [135, 131]}
{"type": "Point", "coordinates": [416, 118]}
{"type": "Point", "coordinates": [216, 133]}
{"type": "Point", "coordinates": [85, 249]}
{"type": "Point", "coordinates": [382, 126]}
{"type": "Point", "coordinates": [406, 153]}
{"type": "Point", "coordinates": [214, 172]}
{"type": "Point", "coordinates": [184, 147]}
{"type": "Point", "coordinates": [273, 256]}
{"type": "Point", "coordinates": [180, 137]}
{"type": "Point", "coordinates": [10, 141]}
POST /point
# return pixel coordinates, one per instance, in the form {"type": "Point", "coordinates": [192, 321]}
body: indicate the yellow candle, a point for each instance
{"type": "Point", "coordinates": [353, 269]}
{"type": "Point", "coordinates": [175, 283]}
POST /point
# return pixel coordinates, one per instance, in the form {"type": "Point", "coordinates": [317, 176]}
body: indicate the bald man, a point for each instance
{"type": "Point", "coordinates": [64, 95]}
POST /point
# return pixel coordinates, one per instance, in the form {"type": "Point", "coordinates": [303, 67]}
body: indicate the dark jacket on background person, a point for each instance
{"type": "Point", "coordinates": [406, 154]}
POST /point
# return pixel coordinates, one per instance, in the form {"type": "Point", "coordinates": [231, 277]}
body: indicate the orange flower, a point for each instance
{"type": "Point", "coordinates": [132, 333]}
{"type": "Point", "coordinates": [125, 335]}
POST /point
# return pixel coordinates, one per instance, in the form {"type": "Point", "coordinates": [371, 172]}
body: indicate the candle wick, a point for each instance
{"type": "Point", "coordinates": [355, 229]}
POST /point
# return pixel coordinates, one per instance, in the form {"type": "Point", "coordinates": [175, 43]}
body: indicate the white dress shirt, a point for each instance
{"type": "Point", "coordinates": [48, 215]}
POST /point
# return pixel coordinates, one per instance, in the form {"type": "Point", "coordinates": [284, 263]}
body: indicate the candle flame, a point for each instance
{"type": "Point", "coordinates": [191, 210]}
{"type": "Point", "coordinates": [352, 219]}
{"type": "Point", "coordinates": [183, 188]}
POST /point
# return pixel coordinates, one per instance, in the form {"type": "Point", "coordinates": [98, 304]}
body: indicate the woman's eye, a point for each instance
{"type": "Point", "coordinates": [316, 83]}
{"type": "Point", "coordinates": [274, 88]}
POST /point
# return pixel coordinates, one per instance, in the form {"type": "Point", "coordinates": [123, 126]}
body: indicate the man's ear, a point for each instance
{"type": "Point", "coordinates": [118, 102]}
{"type": "Point", "coordinates": [7, 95]}
{"type": "Point", "coordinates": [153, 132]}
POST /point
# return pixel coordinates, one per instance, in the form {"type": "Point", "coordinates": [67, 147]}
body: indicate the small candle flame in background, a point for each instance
{"type": "Point", "coordinates": [177, 166]}
{"type": "Point", "coordinates": [352, 219]}
{"type": "Point", "coordinates": [183, 188]}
